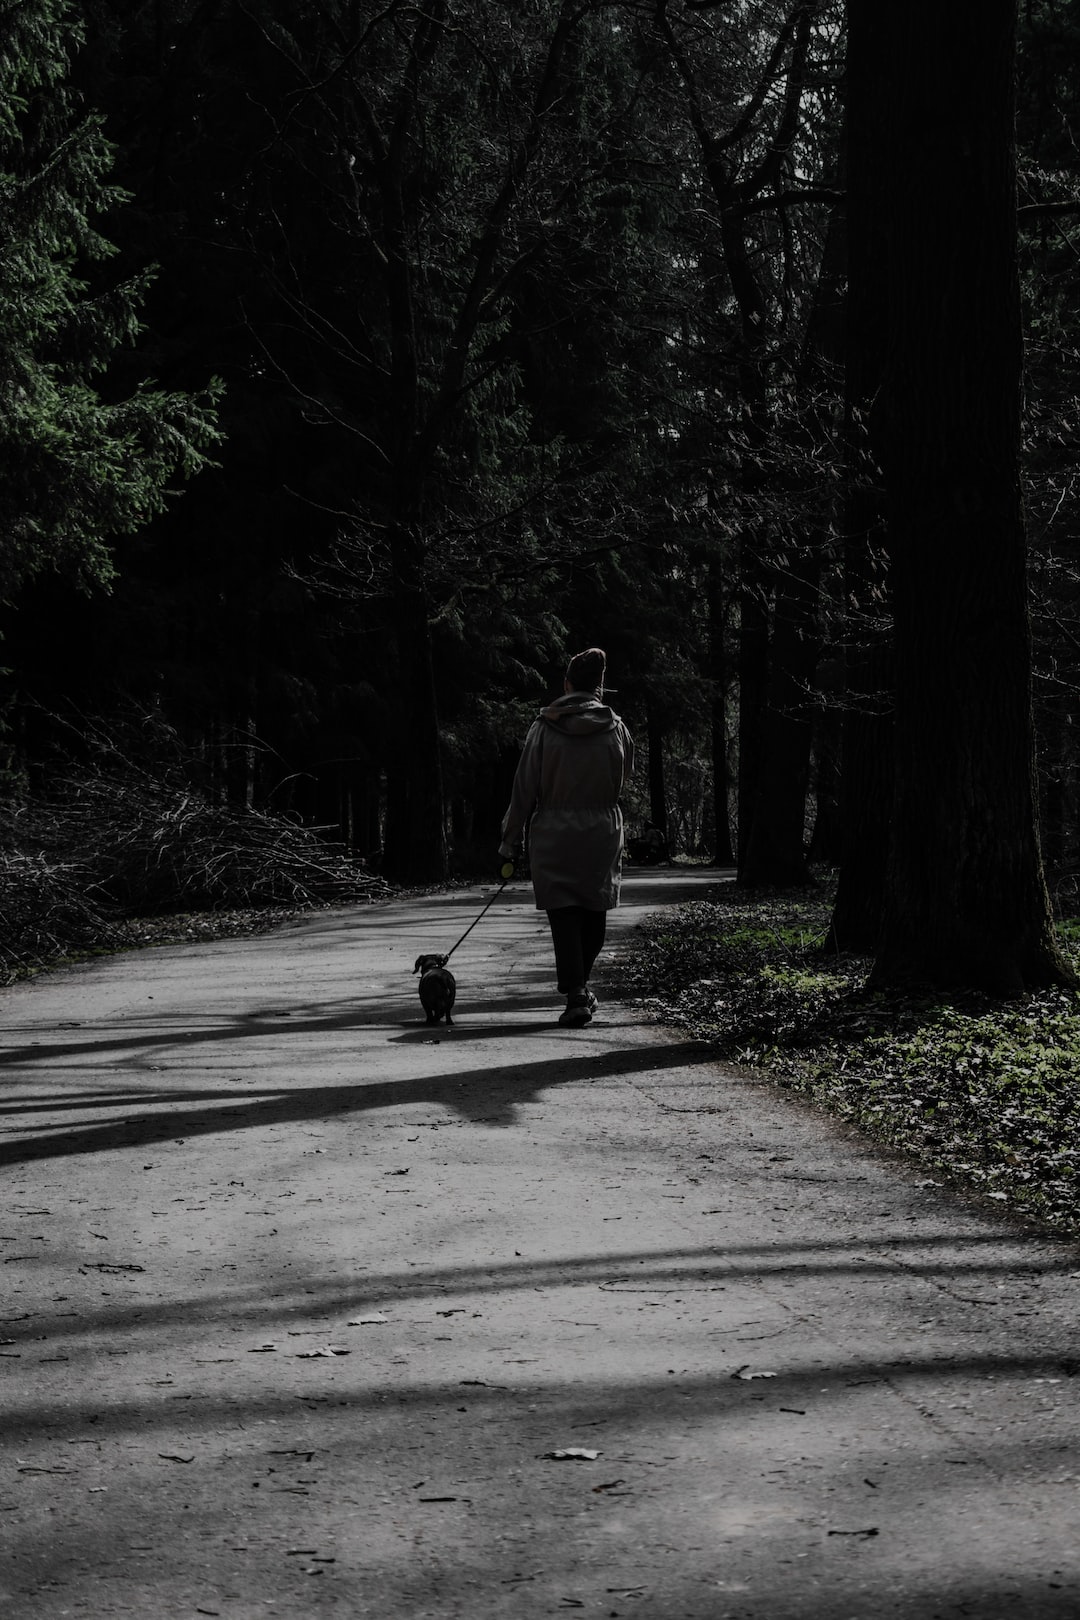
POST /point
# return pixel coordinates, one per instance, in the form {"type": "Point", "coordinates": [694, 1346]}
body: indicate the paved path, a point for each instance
{"type": "Point", "coordinates": [815, 1386]}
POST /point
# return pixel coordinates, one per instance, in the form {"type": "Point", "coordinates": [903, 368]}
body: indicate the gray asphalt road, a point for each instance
{"type": "Point", "coordinates": [309, 1309]}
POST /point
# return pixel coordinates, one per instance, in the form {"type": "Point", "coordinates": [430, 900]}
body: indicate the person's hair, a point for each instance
{"type": "Point", "coordinates": [585, 671]}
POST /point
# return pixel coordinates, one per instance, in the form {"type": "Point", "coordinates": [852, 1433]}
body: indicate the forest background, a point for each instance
{"type": "Point", "coordinates": [359, 360]}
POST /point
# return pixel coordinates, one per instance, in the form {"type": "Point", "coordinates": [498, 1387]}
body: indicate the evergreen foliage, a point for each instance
{"type": "Point", "coordinates": [78, 465]}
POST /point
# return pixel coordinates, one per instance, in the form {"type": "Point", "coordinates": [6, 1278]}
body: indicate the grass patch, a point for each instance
{"type": "Point", "coordinates": [984, 1092]}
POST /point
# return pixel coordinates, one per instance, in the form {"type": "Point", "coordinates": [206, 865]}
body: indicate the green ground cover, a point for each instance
{"type": "Point", "coordinates": [983, 1093]}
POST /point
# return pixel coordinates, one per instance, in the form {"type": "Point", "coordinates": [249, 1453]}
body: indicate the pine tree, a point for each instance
{"type": "Point", "coordinates": [77, 464]}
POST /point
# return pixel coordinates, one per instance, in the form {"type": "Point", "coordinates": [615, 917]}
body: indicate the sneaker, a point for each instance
{"type": "Point", "coordinates": [578, 1012]}
{"type": "Point", "coordinates": [592, 1000]}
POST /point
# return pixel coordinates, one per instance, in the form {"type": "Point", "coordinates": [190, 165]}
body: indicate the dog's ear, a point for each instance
{"type": "Point", "coordinates": [419, 964]}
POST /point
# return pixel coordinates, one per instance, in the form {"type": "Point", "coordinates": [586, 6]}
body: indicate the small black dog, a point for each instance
{"type": "Point", "coordinates": [438, 988]}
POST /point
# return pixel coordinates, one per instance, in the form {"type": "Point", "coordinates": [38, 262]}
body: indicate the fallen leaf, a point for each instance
{"type": "Point", "coordinates": [747, 1373]}
{"type": "Point", "coordinates": [368, 1321]}
{"type": "Point", "coordinates": [324, 1350]}
{"type": "Point", "coordinates": [172, 1456]}
{"type": "Point", "coordinates": [571, 1454]}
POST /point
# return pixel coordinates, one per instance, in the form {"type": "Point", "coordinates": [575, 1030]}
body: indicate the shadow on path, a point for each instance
{"type": "Point", "coordinates": [490, 1096]}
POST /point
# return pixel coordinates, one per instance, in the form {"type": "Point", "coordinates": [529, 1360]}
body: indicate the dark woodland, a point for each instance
{"type": "Point", "coordinates": [359, 361]}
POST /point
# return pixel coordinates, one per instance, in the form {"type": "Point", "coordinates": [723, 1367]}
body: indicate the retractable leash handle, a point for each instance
{"type": "Point", "coordinates": [506, 872]}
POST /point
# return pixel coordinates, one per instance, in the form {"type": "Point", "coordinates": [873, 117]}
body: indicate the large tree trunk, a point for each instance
{"type": "Point", "coordinates": [654, 721]}
{"type": "Point", "coordinates": [723, 853]}
{"type": "Point", "coordinates": [867, 774]}
{"type": "Point", "coordinates": [415, 842]}
{"type": "Point", "coordinates": [774, 854]}
{"type": "Point", "coordinates": [965, 899]}
{"type": "Point", "coordinates": [753, 685]}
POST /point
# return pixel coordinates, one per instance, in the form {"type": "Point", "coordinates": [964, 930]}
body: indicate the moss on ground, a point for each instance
{"type": "Point", "coordinates": [984, 1092]}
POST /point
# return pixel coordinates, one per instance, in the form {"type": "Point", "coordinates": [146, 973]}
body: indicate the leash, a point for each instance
{"type": "Point", "coordinates": [506, 872]}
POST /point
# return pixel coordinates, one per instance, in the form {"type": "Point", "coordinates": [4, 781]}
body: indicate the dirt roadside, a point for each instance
{"type": "Point", "coordinates": [300, 1300]}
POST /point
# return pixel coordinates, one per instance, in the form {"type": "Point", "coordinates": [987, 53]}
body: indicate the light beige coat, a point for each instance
{"type": "Point", "coordinates": [576, 759]}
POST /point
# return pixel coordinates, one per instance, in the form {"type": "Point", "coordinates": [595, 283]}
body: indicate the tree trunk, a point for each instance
{"type": "Point", "coordinates": [723, 853]}
{"type": "Point", "coordinates": [369, 820]}
{"type": "Point", "coordinates": [825, 763]}
{"type": "Point", "coordinates": [753, 683]}
{"type": "Point", "coordinates": [657, 790]}
{"type": "Point", "coordinates": [866, 788]}
{"type": "Point", "coordinates": [415, 840]}
{"type": "Point", "coordinates": [769, 743]}
{"type": "Point", "coordinates": [414, 844]}
{"type": "Point", "coordinates": [965, 900]}
{"type": "Point", "coordinates": [867, 774]}
{"type": "Point", "coordinates": [867, 769]}
{"type": "Point", "coordinates": [774, 855]}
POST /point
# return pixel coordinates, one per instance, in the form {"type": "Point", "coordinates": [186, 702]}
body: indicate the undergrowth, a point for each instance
{"type": "Point", "coordinates": [984, 1092]}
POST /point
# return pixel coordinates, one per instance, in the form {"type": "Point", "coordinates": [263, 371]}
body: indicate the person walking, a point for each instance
{"type": "Point", "coordinates": [576, 759]}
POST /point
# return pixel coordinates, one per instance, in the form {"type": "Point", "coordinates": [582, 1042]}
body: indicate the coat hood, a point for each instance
{"type": "Point", "coordinates": [579, 714]}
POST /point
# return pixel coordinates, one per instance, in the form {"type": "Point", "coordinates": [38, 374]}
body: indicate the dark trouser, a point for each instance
{"type": "Point", "coordinates": [578, 936]}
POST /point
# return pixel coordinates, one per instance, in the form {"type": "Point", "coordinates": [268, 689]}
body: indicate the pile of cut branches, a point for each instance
{"type": "Point", "coordinates": [157, 844]}
{"type": "Point", "coordinates": [104, 842]}
{"type": "Point", "coordinates": [48, 911]}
